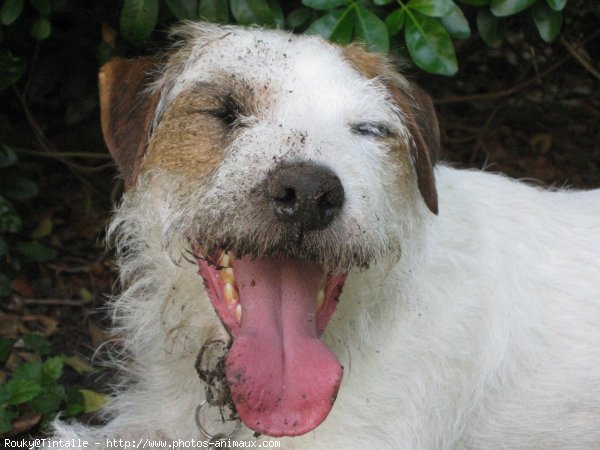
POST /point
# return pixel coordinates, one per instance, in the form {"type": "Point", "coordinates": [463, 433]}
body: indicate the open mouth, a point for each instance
{"type": "Point", "coordinates": [283, 379]}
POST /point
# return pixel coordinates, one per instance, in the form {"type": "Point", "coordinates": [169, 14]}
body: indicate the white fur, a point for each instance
{"type": "Point", "coordinates": [483, 334]}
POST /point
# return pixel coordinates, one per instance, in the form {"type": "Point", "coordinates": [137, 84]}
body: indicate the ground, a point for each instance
{"type": "Point", "coordinates": [529, 111]}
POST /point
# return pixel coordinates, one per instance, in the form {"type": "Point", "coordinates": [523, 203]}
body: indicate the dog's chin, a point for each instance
{"type": "Point", "coordinates": [283, 379]}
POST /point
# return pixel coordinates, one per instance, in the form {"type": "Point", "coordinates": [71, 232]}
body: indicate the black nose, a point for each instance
{"type": "Point", "coordinates": [305, 194]}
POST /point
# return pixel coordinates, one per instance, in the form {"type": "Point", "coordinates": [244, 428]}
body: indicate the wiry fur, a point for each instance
{"type": "Point", "coordinates": [474, 329]}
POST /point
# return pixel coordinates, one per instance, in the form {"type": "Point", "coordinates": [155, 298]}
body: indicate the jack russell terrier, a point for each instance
{"type": "Point", "coordinates": [295, 263]}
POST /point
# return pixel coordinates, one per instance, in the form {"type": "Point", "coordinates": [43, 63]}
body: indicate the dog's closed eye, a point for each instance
{"type": "Point", "coordinates": [228, 111]}
{"type": "Point", "coordinates": [373, 130]}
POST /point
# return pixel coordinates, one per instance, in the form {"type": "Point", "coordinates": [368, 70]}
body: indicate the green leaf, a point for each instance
{"type": "Point", "coordinates": [557, 5]}
{"type": "Point", "coordinates": [491, 28]}
{"type": "Point", "coordinates": [86, 296]}
{"type": "Point", "coordinates": [4, 394]}
{"type": "Point", "coordinates": [247, 12]}
{"type": "Point", "coordinates": [31, 371]}
{"type": "Point", "coordinates": [41, 28]}
{"type": "Point", "coordinates": [10, 11]}
{"type": "Point", "coordinates": [214, 11]}
{"type": "Point", "coordinates": [323, 5]}
{"type": "Point", "coordinates": [382, 2]}
{"type": "Point", "coordinates": [456, 23]}
{"type": "Point", "coordinates": [49, 400]}
{"type": "Point", "coordinates": [35, 251]}
{"type": "Point", "coordinates": [78, 364]}
{"type": "Point", "coordinates": [5, 288]}
{"type": "Point", "coordinates": [298, 17]}
{"type": "Point", "coordinates": [12, 69]}
{"type": "Point", "coordinates": [43, 229]}
{"type": "Point", "coordinates": [371, 30]}
{"type": "Point", "coordinates": [5, 348]}
{"type": "Point", "coordinates": [547, 21]}
{"type": "Point", "coordinates": [429, 45]}
{"type": "Point", "coordinates": [395, 21]}
{"type": "Point", "coordinates": [277, 13]}
{"type": "Point", "coordinates": [43, 6]}
{"type": "Point", "coordinates": [10, 221]}
{"type": "Point", "coordinates": [75, 402]}
{"type": "Point", "coordinates": [93, 400]}
{"type": "Point", "coordinates": [19, 391]}
{"type": "Point", "coordinates": [37, 343]}
{"type": "Point", "coordinates": [183, 9]}
{"type": "Point", "coordinates": [476, 2]}
{"type": "Point", "coordinates": [431, 8]}
{"type": "Point", "coordinates": [138, 19]}
{"type": "Point", "coordinates": [6, 417]}
{"type": "Point", "coordinates": [335, 26]}
{"type": "Point", "coordinates": [503, 8]}
{"type": "Point", "coordinates": [7, 156]}
{"type": "Point", "coordinates": [18, 188]}
{"type": "Point", "coordinates": [52, 370]}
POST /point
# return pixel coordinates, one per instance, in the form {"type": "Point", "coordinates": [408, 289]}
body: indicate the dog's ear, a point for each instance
{"type": "Point", "coordinates": [126, 110]}
{"type": "Point", "coordinates": [425, 130]}
{"type": "Point", "coordinates": [419, 116]}
{"type": "Point", "coordinates": [421, 120]}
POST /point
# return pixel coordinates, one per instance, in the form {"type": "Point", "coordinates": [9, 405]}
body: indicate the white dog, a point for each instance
{"type": "Point", "coordinates": [266, 171]}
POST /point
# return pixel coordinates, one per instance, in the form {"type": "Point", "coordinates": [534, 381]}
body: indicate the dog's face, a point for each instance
{"type": "Point", "coordinates": [280, 162]}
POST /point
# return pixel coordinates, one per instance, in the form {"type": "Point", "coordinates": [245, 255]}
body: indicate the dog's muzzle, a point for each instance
{"type": "Point", "coordinates": [282, 378]}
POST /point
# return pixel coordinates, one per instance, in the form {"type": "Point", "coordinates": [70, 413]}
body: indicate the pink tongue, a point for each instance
{"type": "Point", "coordinates": [282, 378]}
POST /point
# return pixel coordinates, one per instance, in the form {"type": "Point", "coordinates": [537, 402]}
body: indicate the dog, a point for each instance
{"type": "Point", "coordinates": [266, 173]}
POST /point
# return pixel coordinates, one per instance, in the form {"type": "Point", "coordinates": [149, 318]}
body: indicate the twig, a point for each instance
{"type": "Point", "coordinates": [503, 92]}
{"type": "Point", "coordinates": [34, 60]}
{"type": "Point", "coordinates": [41, 138]}
{"type": "Point", "coordinates": [582, 59]}
{"type": "Point", "coordinates": [53, 301]}
{"type": "Point", "coordinates": [480, 143]}
{"type": "Point", "coordinates": [56, 154]}
{"type": "Point", "coordinates": [73, 269]}
{"type": "Point", "coordinates": [516, 88]}
{"type": "Point", "coordinates": [535, 64]}
{"type": "Point", "coordinates": [47, 146]}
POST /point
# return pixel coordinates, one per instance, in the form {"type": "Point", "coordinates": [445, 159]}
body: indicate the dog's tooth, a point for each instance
{"type": "Point", "coordinates": [230, 293]}
{"type": "Point", "coordinates": [238, 313]}
{"type": "Point", "coordinates": [227, 276]}
{"type": "Point", "coordinates": [320, 298]}
{"type": "Point", "coordinates": [225, 260]}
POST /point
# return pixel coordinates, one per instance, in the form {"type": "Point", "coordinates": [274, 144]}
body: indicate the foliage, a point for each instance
{"type": "Point", "coordinates": [425, 27]}
{"type": "Point", "coordinates": [34, 387]}
{"type": "Point", "coordinates": [15, 247]}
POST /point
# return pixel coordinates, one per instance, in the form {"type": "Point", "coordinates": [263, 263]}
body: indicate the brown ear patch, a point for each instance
{"type": "Point", "coordinates": [126, 111]}
{"type": "Point", "coordinates": [367, 64]}
{"type": "Point", "coordinates": [419, 116]}
{"type": "Point", "coordinates": [422, 123]}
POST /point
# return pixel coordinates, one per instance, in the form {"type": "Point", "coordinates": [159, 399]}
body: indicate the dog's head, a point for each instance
{"type": "Point", "coordinates": [279, 162]}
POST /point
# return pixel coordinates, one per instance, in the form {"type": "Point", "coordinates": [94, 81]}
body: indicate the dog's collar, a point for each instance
{"type": "Point", "coordinates": [231, 429]}
{"type": "Point", "coordinates": [217, 407]}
